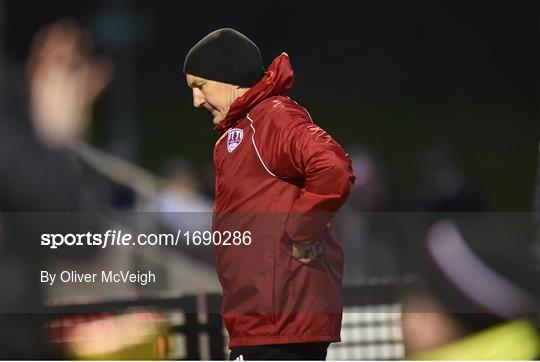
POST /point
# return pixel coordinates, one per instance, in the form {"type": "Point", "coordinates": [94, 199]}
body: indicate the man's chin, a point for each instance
{"type": "Point", "coordinates": [217, 120]}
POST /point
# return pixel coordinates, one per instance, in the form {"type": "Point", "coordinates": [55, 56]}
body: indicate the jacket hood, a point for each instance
{"type": "Point", "coordinates": [277, 80]}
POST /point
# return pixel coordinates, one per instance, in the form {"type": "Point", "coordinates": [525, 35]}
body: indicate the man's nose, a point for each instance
{"type": "Point", "coordinates": [198, 98]}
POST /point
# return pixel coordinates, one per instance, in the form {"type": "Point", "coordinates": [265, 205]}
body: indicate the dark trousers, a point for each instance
{"type": "Point", "coordinates": [292, 351]}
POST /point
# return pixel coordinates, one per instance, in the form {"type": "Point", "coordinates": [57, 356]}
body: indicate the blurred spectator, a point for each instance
{"type": "Point", "coordinates": [181, 206]}
{"type": "Point", "coordinates": [369, 223]}
{"type": "Point", "coordinates": [443, 187]}
{"type": "Point", "coordinates": [375, 189]}
{"type": "Point", "coordinates": [181, 194]}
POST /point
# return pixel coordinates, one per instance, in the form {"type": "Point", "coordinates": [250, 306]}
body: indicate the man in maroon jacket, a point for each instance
{"type": "Point", "coordinates": [280, 177]}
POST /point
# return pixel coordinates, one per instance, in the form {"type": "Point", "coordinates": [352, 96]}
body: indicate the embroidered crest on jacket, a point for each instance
{"type": "Point", "coordinates": [234, 138]}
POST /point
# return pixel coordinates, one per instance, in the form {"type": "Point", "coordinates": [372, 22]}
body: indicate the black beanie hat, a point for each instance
{"type": "Point", "coordinates": [227, 56]}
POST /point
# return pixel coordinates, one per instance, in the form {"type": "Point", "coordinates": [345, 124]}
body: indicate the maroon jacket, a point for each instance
{"type": "Point", "coordinates": [281, 177]}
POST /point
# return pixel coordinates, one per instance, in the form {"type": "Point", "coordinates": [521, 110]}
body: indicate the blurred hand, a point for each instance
{"type": "Point", "coordinates": [307, 253]}
{"type": "Point", "coordinates": [131, 336]}
{"type": "Point", "coordinates": [65, 78]}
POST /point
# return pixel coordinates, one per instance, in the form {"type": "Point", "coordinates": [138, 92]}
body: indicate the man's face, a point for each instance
{"type": "Point", "coordinates": [215, 96]}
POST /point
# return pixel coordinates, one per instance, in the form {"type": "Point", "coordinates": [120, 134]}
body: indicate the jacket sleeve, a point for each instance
{"type": "Point", "coordinates": [302, 153]}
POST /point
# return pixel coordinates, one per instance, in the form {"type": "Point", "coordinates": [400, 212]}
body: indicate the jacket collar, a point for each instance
{"type": "Point", "coordinates": [277, 80]}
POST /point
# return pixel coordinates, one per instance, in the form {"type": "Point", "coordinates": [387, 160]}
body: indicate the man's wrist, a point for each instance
{"type": "Point", "coordinates": [306, 253]}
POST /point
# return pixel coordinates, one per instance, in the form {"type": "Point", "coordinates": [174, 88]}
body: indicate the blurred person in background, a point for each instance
{"type": "Point", "coordinates": [367, 222]}
{"type": "Point", "coordinates": [281, 177]}
{"type": "Point", "coordinates": [181, 206]}
{"type": "Point", "coordinates": [443, 186]}
{"type": "Point", "coordinates": [180, 197]}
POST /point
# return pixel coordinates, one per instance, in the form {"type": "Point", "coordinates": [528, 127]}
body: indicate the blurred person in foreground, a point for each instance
{"type": "Point", "coordinates": [480, 296]}
{"type": "Point", "coordinates": [65, 76]}
{"type": "Point", "coordinates": [282, 177]}
{"type": "Point", "coordinates": [36, 177]}
{"type": "Point", "coordinates": [64, 79]}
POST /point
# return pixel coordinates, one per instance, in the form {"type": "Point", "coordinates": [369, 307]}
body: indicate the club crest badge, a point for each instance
{"type": "Point", "coordinates": [234, 139]}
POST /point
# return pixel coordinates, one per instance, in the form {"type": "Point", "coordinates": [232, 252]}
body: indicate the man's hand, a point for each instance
{"type": "Point", "coordinates": [307, 253]}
